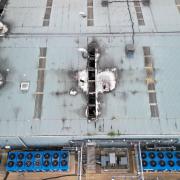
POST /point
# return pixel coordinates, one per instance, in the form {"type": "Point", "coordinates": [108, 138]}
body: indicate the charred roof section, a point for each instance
{"type": "Point", "coordinates": [95, 81]}
{"type": "Point", "coordinates": [4, 71]}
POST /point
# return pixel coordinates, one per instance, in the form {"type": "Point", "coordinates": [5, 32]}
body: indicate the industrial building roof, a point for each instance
{"type": "Point", "coordinates": [41, 50]}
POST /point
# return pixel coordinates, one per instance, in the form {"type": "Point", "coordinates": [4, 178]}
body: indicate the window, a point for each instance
{"type": "Point", "coordinates": [90, 15]}
{"type": "Point", "coordinates": [47, 13]}
{"type": "Point", "coordinates": [154, 111]}
{"type": "Point", "coordinates": [139, 13]}
{"type": "Point", "coordinates": [148, 65]}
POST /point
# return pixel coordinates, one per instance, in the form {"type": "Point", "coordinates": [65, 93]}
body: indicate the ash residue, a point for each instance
{"type": "Point", "coordinates": [124, 96]}
{"type": "Point", "coordinates": [3, 29]}
{"type": "Point", "coordinates": [72, 75]}
{"type": "Point", "coordinates": [3, 73]}
{"type": "Point", "coordinates": [59, 93]}
{"type": "Point", "coordinates": [92, 46]}
{"type": "Point", "coordinates": [119, 74]}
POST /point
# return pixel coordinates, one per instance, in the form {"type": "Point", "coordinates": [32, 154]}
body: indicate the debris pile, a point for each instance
{"type": "Point", "coordinates": [94, 81]}
{"type": "Point", "coordinates": [73, 92]}
{"type": "Point", "coordinates": [3, 29]}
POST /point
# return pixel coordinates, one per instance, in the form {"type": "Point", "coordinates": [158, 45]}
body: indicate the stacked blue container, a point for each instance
{"type": "Point", "coordinates": [37, 161]}
{"type": "Point", "coordinates": [161, 160]}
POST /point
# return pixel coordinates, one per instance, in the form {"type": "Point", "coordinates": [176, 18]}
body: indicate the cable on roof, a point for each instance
{"type": "Point", "coordinates": [132, 22]}
{"type": "Point", "coordinates": [6, 176]}
{"type": "Point", "coordinates": [130, 15]}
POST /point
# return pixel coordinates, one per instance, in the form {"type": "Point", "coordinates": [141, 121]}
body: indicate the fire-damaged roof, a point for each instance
{"type": "Point", "coordinates": [46, 48]}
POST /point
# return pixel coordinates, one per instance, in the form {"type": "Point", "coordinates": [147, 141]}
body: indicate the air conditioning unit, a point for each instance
{"type": "Point", "coordinates": [104, 3]}
{"type": "Point", "coordinates": [146, 2]}
{"type": "Point", "coordinates": [37, 161]}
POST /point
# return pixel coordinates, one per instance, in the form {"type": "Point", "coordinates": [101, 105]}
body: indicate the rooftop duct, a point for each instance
{"type": "Point", "coordinates": [129, 49]}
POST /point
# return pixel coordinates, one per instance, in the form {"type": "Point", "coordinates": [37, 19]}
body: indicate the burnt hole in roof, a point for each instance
{"type": "Point", "coordinates": [91, 52]}
{"type": "Point", "coordinates": [91, 98]}
{"type": "Point", "coordinates": [92, 87]}
{"type": "Point", "coordinates": [91, 112]}
{"type": "Point", "coordinates": [134, 92]}
{"type": "Point", "coordinates": [124, 96]}
{"type": "Point", "coordinates": [91, 75]}
{"type": "Point", "coordinates": [92, 48]}
{"type": "Point", "coordinates": [91, 64]}
{"type": "Point", "coordinates": [91, 58]}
